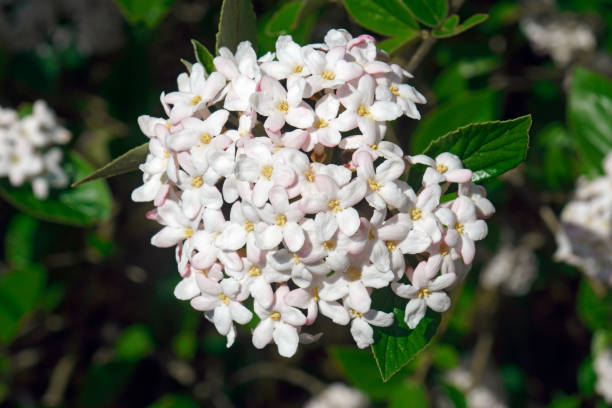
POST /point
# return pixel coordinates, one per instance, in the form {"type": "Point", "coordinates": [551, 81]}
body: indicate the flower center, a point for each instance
{"type": "Point", "coordinates": [248, 226]}
{"type": "Point", "coordinates": [374, 186]}
{"type": "Point", "coordinates": [166, 154]}
{"type": "Point", "coordinates": [205, 138]}
{"type": "Point", "coordinates": [254, 271]}
{"type": "Point", "coordinates": [281, 220]}
{"type": "Point", "coordinates": [363, 111]}
{"type": "Point", "coordinates": [188, 232]}
{"type": "Point", "coordinates": [353, 273]}
{"type": "Point", "coordinates": [459, 227]}
{"type": "Point", "coordinates": [314, 292]}
{"type": "Point", "coordinates": [423, 292]}
{"type": "Point", "coordinates": [328, 75]}
{"type": "Point", "coordinates": [283, 106]}
{"type": "Point", "coordinates": [444, 250]}
{"type": "Point", "coordinates": [298, 69]}
{"type": "Point", "coordinates": [266, 171]}
{"type": "Point", "coordinates": [355, 313]}
{"type": "Point", "coordinates": [224, 298]}
{"type": "Point", "coordinates": [329, 245]}
{"type": "Point", "coordinates": [309, 175]}
{"type": "Point", "coordinates": [197, 181]}
{"type": "Point", "coordinates": [275, 316]}
{"type": "Point", "coordinates": [374, 146]}
{"type": "Point", "coordinates": [394, 90]}
{"type": "Point", "coordinates": [371, 234]}
{"type": "Point", "coordinates": [15, 158]}
{"type": "Point", "coordinates": [196, 99]}
{"type": "Point", "coordinates": [296, 259]}
{"type": "Point", "coordinates": [442, 168]}
{"type": "Point", "coordinates": [334, 205]}
{"type": "Point", "coordinates": [203, 272]}
{"type": "Point", "coordinates": [321, 123]}
{"type": "Point", "coordinates": [416, 214]}
{"type": "Point", "coordinates": [391, 245]}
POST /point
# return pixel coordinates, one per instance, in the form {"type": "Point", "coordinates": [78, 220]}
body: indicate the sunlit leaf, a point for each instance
{"type": "Point", "coordinates": [389, 17]}
{"type": "Point", "coordinates": [451, 27]}
{"type": "Point", "coordinates": [430, 12]}
{"type": "Point", "coordinates": [283, 19]}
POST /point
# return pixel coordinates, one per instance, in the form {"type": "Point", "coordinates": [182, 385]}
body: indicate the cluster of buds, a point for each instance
{"type": "Point", "coordinates": [584, 237]}
{"type": "Point", "coordinates": [297, 201]}
{"type": "Point", "coordinates": [28, 151]}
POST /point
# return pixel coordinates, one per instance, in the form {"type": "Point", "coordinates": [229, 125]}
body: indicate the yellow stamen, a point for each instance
{"type": "Point", "coordinates": [203, 272]}
{"type": "Point", "coordinates": [188, 232]}
{"type": "Point", "coordinates": [166, 154]}
{"type": "Point", "coordinates": [298, 69]}
{"type": "Point", "coordinates": [423, 292]}
{"type": "Point", "coordinates": [248, 226]}
{"type": "Point", "coordinates": [314, 292]}
{"type": "Point", "coordinates": [444, 249]}
{"type": "Point", "coordinates": [415, 214]}
{"type": "Point", "coordinates": [197, 181]}
{"type": "Point", "coordinates": [283, 106]}
{"type": "Point", "coordinates": [371, 234]}
{"type": "Point", "coordinates": [275, 316]}
{"type": "Point", "coordinates": [329, 245]}
{"type": "Point", "coordinates": [309, 175]}
{"type": "Point", "coordinates": [328, 75]}
{"type": "Point", "coordinates": [459, 227]}
{"type": "Point", "coordinates": [391, 245]}
{"type": "Point", "coordinates": [374, 186]}
{"type": "Point", "coordinates": [355, 313]}
{"type": "Point", "coordinates": [321, 123]}
{"type": "Point", "coordinates": [353, 273]}
{"type": "Point", "coordinates": [334, 205]}
{"type": "Point", "coordinates": [281, 220]}
{"type": "Point", "coordinates": [196, 99]}
{"type": "Point", "coordinates": [266, 171]}
{"type": "Point", "coordinates": [168, 124]}
{"type": "Point", "coordinates": [205, 138]}
{"type": "Point", "coordinates": [224, 298]}
{"type": "Point", "coordinates": [394, 90]}
{"type": "Point", "coordinates": [296, 259]}
{"type": "Point", "coordinates": [254, 271]}
{"type": "Point", "coordinates": [14, 158]}
{"type": "Point", "coordinates": [374, 146]}
{"type": "Point", "coordinates": [441, 168]}
{"type": "Point", "coordinates": [363, 111]}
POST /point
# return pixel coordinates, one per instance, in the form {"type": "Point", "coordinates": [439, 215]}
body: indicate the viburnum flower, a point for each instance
{"type": "Point", "coordinates": [272, 178]}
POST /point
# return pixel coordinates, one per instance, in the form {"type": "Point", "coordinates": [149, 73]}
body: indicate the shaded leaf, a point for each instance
{"type": "Point", "coordinates": [488, 149]}
{"type": "Point", "coordinates": [283, 21]}
{"type": "Point", "coordinates": [389, 17]}
{"type": "Point", "coordinates": [469, 108]}
{"type": "Point", "coordinates": [81, 206]}
{"type": "Point", "coordinates": [128, 161]}
{"type": "Point", "coordinates": [203, 56]}
{"type": "Point", "coordinates": [104, 382]}
{"type": "Point", "coordinates": [445, 356]}
{"type": "Point", "coordinates": [149, 12]}
{"type": "Point", "coordinates": [19, 241]}
{"type": "Point", "coordinates": [451, 26]}
{"type": "Point", "coordinates": [396, 345]}
{"type": "Point", "coordinates": [429, 12]}
{"type": "Point", "coordinates": [590, 115]}
{"type": "Point", "coordinates": [309, 7]}
{"type": "Point", "coordinates": [587, 377]}
{"type": "Point", "coordinates": [409, 391]}
{"type": "Point", "coordinates": [237, 23]}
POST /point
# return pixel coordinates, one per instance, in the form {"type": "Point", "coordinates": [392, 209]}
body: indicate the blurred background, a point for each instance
{"type": "Point", "coordinates": [90, 320]}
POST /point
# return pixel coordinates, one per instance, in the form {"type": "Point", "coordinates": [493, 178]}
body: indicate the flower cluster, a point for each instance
{"type": "Point", "coordinates": [27, 149]}
{"type": "Point", "coordinates": [272, 180]}
{"type": "Point", "coordinates": [584, 237]}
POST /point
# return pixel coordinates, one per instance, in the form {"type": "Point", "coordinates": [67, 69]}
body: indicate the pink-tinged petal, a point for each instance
{"type": "Point", "coordinates": [279, 199]}
{"type": "Point", "coordinates": [365, 165]}
{"type": "Point", "coordinates": [275, 121]}
{"type": "Point", "coordinates": [293, 236]}
{"type": "Point", "coordinates": [464, 208]}
{"type": "Point", "coordinates": [380, 256]}
{"type": "Point", "coordinates": [186, 289]}
{"type": "Point", "coordinates": [415, 311]}
{"type": "Point", "coordinates": [270, 237]}
{"type": "Point", "coordinates": [438, 301]}
{"type": "Point", "coordinates": [348, 221]}
{"type": "Point", "coordinates": [368, 128]}
{"type": "Point", "coordinates": [334, 311]}
{"type": "Point", "coordinates": [446, 217]}
{"type": "Point", "coordinates": [232, 238]}
{"type": "Point", "coordinates": [431, 227]}
{"type": "Point", "coordinates": [333, 291]}
{"type": "Point", "coordinates": [260, 191]}
{"type": "Point", "coordinates": [313, 204]}
{"type": "Point", "coordinates": [432, 266]}
{"type": "Point", "coordinates": [207, 285]}
{"type": "Point", "coordinates": [476, 230]}
{"type": "Point", "coordinates": [359, 297]}
{"type": "Point", "coordinates": [230, 260]}
{"type": "Point", "coordinates": [404, 291]}
{"type": "Point", "coordinates": [301, 116]}
{"type": "Point", "coordinates": [347, 71]}
{"type": "Point", "coordinates": [262, 292]}
{"type": "Point", "coordinates": [283, 175]}
{"type": "Point", "coordinates": [468, 250]}
{"type": "Point", "coordinates": [362, 333]}
{"type": "Point", "coordinates": [352, 193]}
{"type": "Point", "coordinates": [292, 316]}
{"type": "Point", "coordinates": [328, 136]}
{"type": "Point", "coordinates": [346, 121]}
{"type": "Point", "coordinates": [429, 198]}
{"type": "Point", "coordinates": [432, 177]}
{"type": "Point", "coordinates": [325, 226]}
{"type": "Point", "coordinates": [422, 159]}
{"type": "Point", "coordinates": [298, 298]}
{"type": "Point", "coordinates": [204, 303]}
{"type": "Point", "coordinates": [327, 107]}
{"type": "Point", "coordinates": [276, 69]}
{"type": "Point", "coordinates": [409, 108]}
{"type": "Point", "coordinates": [458, 176]}
{"type": "Point", "coordinates": [240, 314]}
{"type": "Point", "coordinates": [416, 242]}
{"type": "Point", "coordinates": [393, 195]}
{"type": "Point", "coordinates": [385, 111]}
{"type": "Point", "coordinates": [204, 260]}
{"type": "Point", "coordinates": [262, 335]}
{"type": "Point", "coordinates": [390, 170]}
{"type": "Point", "coordinates": [484, 207]}
{"type": "Point", "coordinates": [442, 282]}
{"type": "Point", "coordinates": [377, 67]}
{"type": "Point", "coordinates": [286, 338]}
{"type": "Point", "coordinates": [168, 237]}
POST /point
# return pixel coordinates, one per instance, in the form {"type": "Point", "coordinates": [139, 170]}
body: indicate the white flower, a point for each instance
{"type": "Point", "coordinates": [290, 60]}
{"type": "Point", "coordinates": [361, 325]}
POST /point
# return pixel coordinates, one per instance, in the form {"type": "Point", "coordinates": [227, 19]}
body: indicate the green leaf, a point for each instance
{"type": "Point", "coordinates": [81, 206]}
{"type": "Point", "coordinates": [203, 56]}
{"type": "Point", "coordinates": [185, 344]}
{"type": "Point", "coordinates": [429, 12]}
{"type": "Point", "coordinates": [237, 23]}
{"type": "Point", "coordinates": [451, 26]}
{"type": "Point", "coordinates": [587, 377]}
{"type": "Point", "coordinates": [104, 382]}
{"type": "Point", "coordinates": [282, 22]}
{"type": "Point", "coordinates": [175, 401]}
{"type": "Point", "coordinates": [134, 344]}
{"type": "Point", "coordinates": [488, 149]}
{"type": "Point", "coordinates": [361, 371]}
{"type": "Point", "coordinates": [590, 115]}
{"type": "Point", "coordinates": [391, 45]}
{"type": "Point", "coordinates": [149, 12]}
{"type": "Point", "coordinates": [602, 340]}
{"type": "Point", "coordinates": [309, 8]}
{"type": "Point", "coordinates": [565, 401]}
{"type": "Point", "coordinates": [595, 309]}
{"type": "Point", "coordinates": [411, 391]}
{"type": "Point", "coordinates": [456, 396]}
{"type": "Point", "coordinates": [20, 292]}
{"type": "Point", "coordinates": [390, 17]}
{"type": "Point", "coordinates": [396, 345]}
{"type": "Point", "coordinates": [20, 239]}
{"type": "Point", "coordinates": [474, 107]}
{"type": "Point", "coordinates": [128, 161]}
{"type": "Point", "coordinates": [445, 357]}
